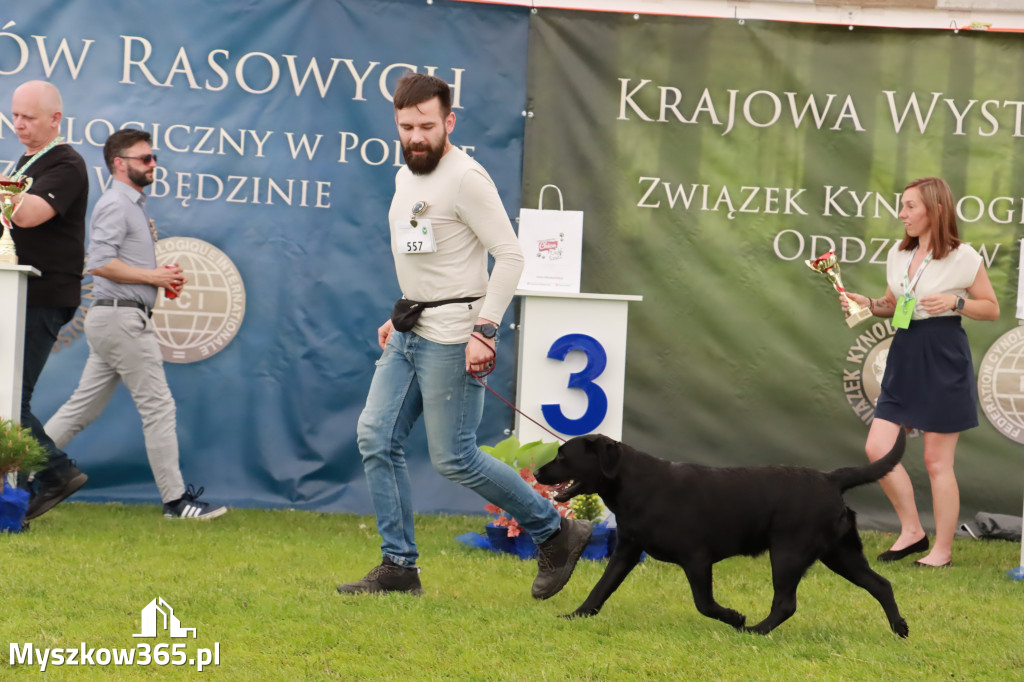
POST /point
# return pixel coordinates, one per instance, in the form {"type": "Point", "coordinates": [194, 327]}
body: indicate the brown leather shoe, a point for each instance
{"type": "Point", "coordinates": [558, 556]}
{"type": "Point", "coordinates": [54, 488]}
{"type": "Point", "coordinates": [387, 577]}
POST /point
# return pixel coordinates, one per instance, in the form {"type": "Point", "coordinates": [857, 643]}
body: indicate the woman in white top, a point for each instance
{"type": "Point", "coordinates": [933, 279]}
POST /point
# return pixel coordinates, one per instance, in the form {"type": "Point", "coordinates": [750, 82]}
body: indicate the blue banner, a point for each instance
{"type": "Point", "coordinates": [277, 144]}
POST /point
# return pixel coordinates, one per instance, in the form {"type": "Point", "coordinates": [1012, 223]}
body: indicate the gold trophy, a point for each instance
{"type": "Point", "coordinates": [828, 265]}
{"type": "Point", "coordinates": [8, 190]}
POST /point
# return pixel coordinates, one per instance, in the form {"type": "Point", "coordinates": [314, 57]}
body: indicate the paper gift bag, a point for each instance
{"type": "Point", "coordinates": [552, 242]}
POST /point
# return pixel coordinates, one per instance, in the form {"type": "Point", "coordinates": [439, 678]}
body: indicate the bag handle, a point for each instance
{"type": "Point", "coordinates": [540, 199]}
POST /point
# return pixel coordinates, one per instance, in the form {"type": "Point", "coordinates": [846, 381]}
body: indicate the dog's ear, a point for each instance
{"type": "Point", "coordinates": [608, 456]}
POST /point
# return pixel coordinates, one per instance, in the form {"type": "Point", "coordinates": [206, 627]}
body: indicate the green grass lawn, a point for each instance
{"type": "Point", "coordinates": [260, 585]}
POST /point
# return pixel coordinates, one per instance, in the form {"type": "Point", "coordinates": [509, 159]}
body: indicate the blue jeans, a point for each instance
{"type": "Point", "coordinates": [415, 376]}
{"type": "Point", "coordinates": [42, 325]}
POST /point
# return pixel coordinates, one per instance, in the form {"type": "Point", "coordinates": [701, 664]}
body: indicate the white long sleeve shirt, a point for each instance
{"type": "Point", "coordinates": [468, 222]}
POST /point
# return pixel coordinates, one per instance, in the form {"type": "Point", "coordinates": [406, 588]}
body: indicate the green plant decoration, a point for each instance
{"type": "Point", "coordinates": [524, 459]}
{"type": "Point", "coordinates": [531, 455]}
{"type": "Point", "coordinates": [588, 507]}
{"type": "Point", "coordinates": [19, 450]}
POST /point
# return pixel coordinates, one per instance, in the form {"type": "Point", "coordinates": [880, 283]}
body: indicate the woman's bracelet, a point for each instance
{"type": "Point", "coordinates": [871, 305]}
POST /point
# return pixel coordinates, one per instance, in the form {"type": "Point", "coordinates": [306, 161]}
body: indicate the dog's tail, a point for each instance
{"type": "Point", "coordinates": [851, 477]}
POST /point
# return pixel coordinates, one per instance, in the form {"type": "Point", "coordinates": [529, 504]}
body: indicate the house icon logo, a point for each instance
{"type": "Point", "coordinates": [158, 611]}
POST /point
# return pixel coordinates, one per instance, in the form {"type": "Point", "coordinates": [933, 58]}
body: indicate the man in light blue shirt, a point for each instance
{"type": "Point", "coordinates": [122, 341]}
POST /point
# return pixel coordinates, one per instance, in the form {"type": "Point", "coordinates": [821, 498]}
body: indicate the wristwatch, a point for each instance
{"type": "Point", "coordinates": [488, 330]}
{"type": "Point", "coordinates": [959, 304]}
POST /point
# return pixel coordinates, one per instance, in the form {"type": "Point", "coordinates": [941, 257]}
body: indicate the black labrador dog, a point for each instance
{"type": "Point", "coordinates": [695, 516]}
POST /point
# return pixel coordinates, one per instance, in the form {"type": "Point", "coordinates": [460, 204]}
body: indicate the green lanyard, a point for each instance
{"type": "Point", "coordinates": [21, 171]}
{"type": "Point", "coordinates": [908, 286]}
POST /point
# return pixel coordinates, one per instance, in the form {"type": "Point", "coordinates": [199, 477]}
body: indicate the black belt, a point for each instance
{"type": "Point", "coordinates": [122, 303]}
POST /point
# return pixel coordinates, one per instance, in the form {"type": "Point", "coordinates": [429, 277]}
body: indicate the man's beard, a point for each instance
{"type": "Point", "coordinates": [422, 165]}
{"type": "Point", "coordinates": [139, 178]}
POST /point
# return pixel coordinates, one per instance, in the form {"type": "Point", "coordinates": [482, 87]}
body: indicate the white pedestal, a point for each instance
{"type": "Point", "coordinates": [572, 364]}
{"type": "Point", "coordinates": [13, 292]}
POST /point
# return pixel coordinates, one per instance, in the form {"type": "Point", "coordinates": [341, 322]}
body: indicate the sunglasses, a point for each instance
{"type": "Point", "coordinates": [145, 158]}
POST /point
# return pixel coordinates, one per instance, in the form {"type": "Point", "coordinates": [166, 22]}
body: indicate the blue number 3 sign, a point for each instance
{"type": "Point", "coordinates": [597, 401]}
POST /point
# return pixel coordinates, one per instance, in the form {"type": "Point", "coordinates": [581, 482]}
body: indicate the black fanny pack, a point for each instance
{"type": "Point", "coordinates": [406, 312]}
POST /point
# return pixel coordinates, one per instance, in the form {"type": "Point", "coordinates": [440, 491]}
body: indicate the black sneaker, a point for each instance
{"type": "Point", "coordinates": [55, 486]}
{"type": "Point", "coordinates": [388, 577]}
{"type": "Point", "coordinates": [557, 557]}
{"type": "Point", "coordinates": [189, 507]}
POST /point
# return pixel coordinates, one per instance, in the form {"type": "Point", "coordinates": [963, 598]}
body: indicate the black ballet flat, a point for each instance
{"type": "Point", "coordinates": [895, 555]}
{"type": "Point", "coordinates": [918, 564]}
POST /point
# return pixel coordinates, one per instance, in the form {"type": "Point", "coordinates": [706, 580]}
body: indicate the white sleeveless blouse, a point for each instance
{"type": "Point", "coordinates": [951, 275]}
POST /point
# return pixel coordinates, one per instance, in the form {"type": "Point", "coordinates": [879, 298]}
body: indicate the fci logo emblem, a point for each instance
{"type": "Point", "coordinates": [1001, 384]}
{"type": "Point", "coordinates": [208, 314]}
{"type": "Point", "coordinates": [862, 376]}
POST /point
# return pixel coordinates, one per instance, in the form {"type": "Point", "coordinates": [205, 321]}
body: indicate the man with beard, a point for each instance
{"type": "Point", "coordinates": [122, 341]}
{"type": "Point", "coordinates": [445, 217]}
{"type": "Point", "coordinates": [49, 234]}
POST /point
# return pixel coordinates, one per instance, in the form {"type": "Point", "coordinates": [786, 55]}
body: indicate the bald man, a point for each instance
{"type": "Point", "coordinates": [49, 234]}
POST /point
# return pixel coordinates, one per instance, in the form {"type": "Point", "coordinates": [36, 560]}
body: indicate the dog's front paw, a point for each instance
{"type": "Point", "coordinates": [580, 613]}
{"type": "Point", "coordinates": [901, 628]}
{"type": "Point", "coordinates": [735, 619]}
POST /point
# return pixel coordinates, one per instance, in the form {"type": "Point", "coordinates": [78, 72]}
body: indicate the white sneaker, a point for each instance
{"type": "Point", "coordinates": [189, 507]}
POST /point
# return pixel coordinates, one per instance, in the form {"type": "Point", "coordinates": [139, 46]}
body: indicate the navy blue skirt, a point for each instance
{"type": "Point", "coordinates": [929, 378]}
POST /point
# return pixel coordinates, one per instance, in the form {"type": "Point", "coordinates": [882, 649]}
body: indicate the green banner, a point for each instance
{"type": "Point", "coordinates": [713, 157]}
